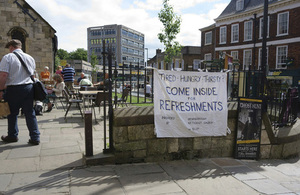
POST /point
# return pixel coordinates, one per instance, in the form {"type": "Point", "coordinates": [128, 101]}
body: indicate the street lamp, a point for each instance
{"type": "Point", "coordinates": [146, 57]}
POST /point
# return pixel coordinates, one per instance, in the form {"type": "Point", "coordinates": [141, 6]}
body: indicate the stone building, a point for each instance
{"type": "Point", "coordinates": [20, 21]}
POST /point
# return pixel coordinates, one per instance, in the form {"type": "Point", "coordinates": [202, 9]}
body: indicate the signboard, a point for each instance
{"type": "Point", "coordinates": [248, 129]}
{"type": "Point", "coordinates": [190, 104]}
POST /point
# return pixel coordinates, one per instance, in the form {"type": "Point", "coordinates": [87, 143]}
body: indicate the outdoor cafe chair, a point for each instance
{"type": "Point", "coordinates": [70, 101]}
{"type": "Point", "coordinates": [123, 99]}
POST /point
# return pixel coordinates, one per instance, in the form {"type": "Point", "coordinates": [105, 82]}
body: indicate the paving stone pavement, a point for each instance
{"type": "Point", "coordinates": [56, 167]}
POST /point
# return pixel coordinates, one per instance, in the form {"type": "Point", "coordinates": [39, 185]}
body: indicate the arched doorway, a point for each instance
{"type": "Point", "coordinates": [20, 34]}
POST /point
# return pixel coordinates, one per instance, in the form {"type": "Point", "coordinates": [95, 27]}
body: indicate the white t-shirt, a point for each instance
{"type": "Point", "coordinates": [17, 75]}
{"type": "Point", "coordinates": [148, 88]}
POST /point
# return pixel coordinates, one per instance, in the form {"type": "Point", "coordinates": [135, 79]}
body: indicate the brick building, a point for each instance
{"type": "Point", "coordinates": [238, 32]}
{"type": "Point", "coordinates": [20, 21]}
{"type": "Point", "coordinates": [189, 59]}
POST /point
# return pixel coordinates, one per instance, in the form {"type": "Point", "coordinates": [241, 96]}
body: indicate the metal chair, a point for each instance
{"type": "Point", "coordinates": [71, 94]}
{"type": "Point", "coordinates": [70, 101]}
{"type": "Point", "coordinates": [124, 97]}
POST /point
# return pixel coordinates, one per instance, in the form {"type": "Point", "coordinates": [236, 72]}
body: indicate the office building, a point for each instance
{"type": "Point", "coordinates": [126, 44]}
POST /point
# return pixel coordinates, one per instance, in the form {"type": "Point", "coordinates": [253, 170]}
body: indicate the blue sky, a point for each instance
{"type": "Point", "coordinates": [71, 18]}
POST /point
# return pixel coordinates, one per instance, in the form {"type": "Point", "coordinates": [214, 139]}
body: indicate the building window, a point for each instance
{"type": "Point", "coordinates": [208, 38]}
{"type": "Point", "coordinates": [234, 33]}
{"type": "Point", "coordinates": [162, 65]}
{"type": "Point", "coordinates": [248, 28]}
{"type": "Point", "coordinates": [281, 57]}
{"type": "Point", "coordinates": [247, 59]}
{"type": "Point", "coordinates": [283, 24]}
{"type": "Point", "coordinates": [261, 24]}
{"type": "Point", "coordinates": [235, 55]}
{"type": "Point", "coordinates": [223, 34]}
{"type": "Point", "coordinates": [207, 59]}
{"type": "Point", "coordinates": [239, 5]}
{"type": "Point", "coordinates": [260, 56]}
{"type": "Point", "coordinates": [196, 64]}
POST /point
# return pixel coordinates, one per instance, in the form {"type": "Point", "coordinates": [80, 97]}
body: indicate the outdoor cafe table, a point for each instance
{"type": "Point", "coordinates": [88, 95]}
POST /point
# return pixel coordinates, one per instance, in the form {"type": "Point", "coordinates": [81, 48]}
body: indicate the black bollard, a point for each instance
{"type": "Point", "coordinates": [88, 133]}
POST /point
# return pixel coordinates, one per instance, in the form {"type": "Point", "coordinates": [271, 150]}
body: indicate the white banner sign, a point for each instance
{"type": "Point", "coordinates": [190, 104]}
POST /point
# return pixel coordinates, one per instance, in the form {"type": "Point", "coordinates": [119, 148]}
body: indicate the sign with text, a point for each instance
{"type": "Point", "coordinates": [190, 104]}
{"type": "Point", "coordinates": [248, 129]}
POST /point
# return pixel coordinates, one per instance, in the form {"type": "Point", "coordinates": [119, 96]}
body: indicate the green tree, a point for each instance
{"type": "Point", "coordinates": [79, 54]}
{"type": "Point", "coordinates": [94, 62]}
{"type": "Point", "coordinates": [171, 23]}
{"type": "Point", "coordinates": [62, 54]}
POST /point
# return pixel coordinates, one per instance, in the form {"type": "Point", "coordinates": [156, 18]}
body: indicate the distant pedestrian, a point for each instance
{"type": "Point", "coordinates": [68, 76]}
{"type": "Point", "coordinates": [148, 90]}
{"type": "Point", "coordinates": [19, 91]}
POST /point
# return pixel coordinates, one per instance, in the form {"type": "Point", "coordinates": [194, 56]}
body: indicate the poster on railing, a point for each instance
{"type": "Point", "coordinates": [190, 104]}
{"type": "Point", "coordinates": [248, 129]}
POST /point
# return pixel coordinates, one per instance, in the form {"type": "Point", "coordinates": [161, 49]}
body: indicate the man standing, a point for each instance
{"type": "Point", "coordinates": [15, 80]}
{"type": "Point", "coordinates": [68, 74]}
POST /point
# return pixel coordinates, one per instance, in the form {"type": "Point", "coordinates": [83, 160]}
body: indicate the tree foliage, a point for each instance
{"type": "Point", "coordinates": [94, 61]}
{"type": "Point", "coordinates": [171, 23]}
{"type": "Point", "coordinates": [78, 54]}
{"type": "Point", "coordinates": [62, 54]}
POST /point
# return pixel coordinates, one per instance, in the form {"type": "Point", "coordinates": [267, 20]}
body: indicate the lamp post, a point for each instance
{"type": "Point", "coordinates": [146, 57]}
{"type": "Point", "coordinates": [264, 47]}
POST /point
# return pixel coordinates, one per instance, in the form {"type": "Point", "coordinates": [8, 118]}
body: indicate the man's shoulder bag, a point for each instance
{"type": "Point", "coordinates": [40, 92]}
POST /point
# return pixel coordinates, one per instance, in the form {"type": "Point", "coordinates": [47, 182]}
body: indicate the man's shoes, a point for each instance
{"type": "Point", "coordinates": [9, 139]}
{"type": "Point", "coordinates": [33, 142]}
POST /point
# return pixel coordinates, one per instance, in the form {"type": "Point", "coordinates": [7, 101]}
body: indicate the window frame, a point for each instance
{"type": "Point", "coordinates": [196, 64]}
{"type": "Point", "coordinates": [206, 38]}
{"type": "Point", "coordinates": [232, 33]}
{"type": "Point", "coordinates": [239, 5]}
{"type": "Point", "coordinates": [259, 57]}
{"type": "Point", "coordinates": [248, 33]}
{"type": "Point", "coordinates": [261, 22]}
{"type": "Point", "coordinates": [287, 22]}
{"type": "Point", "coordinates": [279, 64]}
{"type": "Point", "coordinates": [223, 35]}
{"type": "Point", "coordinates": [245, 65]}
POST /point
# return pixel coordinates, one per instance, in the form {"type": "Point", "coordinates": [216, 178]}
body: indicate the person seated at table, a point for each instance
{"type": "Point", "coordinates": [58, 71]}
{"type": "Point", "coordinates": [45, 76]}
{"type": "Point", "coordinates": [85, 82]}
{"type": "Point", "coordinates": [103, 85]}
{"type": "Point", "coordinates": [56, 91]}
{"type": "Point", "coordinates": [81, 77]}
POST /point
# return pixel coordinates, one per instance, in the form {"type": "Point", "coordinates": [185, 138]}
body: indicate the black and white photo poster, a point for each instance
{"type": "Point", "coordinates": [248, 129]}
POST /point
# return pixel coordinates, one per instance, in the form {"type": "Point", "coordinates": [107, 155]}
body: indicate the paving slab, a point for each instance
{"type": "Point", "coordinates": [179, 170]}
{"type": "Point", "coordinates": [225, 185]}
{"type": "Point", "coordinates": [243, 173]}
{"type": "Point", "coordinates": [18, 165]}
{"type": "Point", "coordinates": [267, 186]}
{"type": "Point", "coordinates": [5, 180]}
{"type": "Point", "coordinates": [95, 181]}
